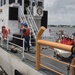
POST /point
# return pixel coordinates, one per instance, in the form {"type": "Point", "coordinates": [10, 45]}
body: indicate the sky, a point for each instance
{"type": "Point", "coordinates": [60, 12]}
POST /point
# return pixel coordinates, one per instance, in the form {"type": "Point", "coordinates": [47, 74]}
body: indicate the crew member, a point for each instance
{"type": "Point", "coordinates": [25, 34]}
{"type": "Point", "coordinates": [4, 32]}
{"type": "Point", "coordinates": [21, 26]}
{"type": "Point", "coordinates": [74, 38]}
{"type": "Point", "coordinates": [64, 40]}
{"type": "Point", "coordinates": [73, 49]}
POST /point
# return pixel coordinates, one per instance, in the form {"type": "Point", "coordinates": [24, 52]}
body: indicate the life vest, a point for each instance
{"type": "Point", "coordinates": [4, 33]}
{"type": "Point", "coordinates": [27, 32]}
{"type": "Point", "coordinates": [70, 42]}
{"type": "Point", "coordinates": [64, 40]}
{"type": "Point", "coordinates": [67, 41]}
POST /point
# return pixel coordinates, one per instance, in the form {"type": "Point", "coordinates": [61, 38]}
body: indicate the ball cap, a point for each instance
{"type": "Point", "coordinates": [24, 24]}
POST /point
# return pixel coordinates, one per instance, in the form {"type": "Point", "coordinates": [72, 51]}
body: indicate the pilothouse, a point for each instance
{"type": "Point", "coordinates": [14, 12]}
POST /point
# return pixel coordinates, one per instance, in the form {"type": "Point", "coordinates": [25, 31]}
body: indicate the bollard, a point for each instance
{"type": "Point", "coordinates": [72, 68]}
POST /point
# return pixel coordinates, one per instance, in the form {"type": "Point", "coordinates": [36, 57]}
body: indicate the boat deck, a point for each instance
{"type": "Point", "coordinates": [30, 60]}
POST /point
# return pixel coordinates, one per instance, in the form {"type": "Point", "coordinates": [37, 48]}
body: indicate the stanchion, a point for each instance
{"type": "Point", "coordinates": [23, 50]}
{"type": "Point", "coordinates": [73, 68]}
{"type": "Point", "coordinates": [7, 43]}
{"type": "Point", "coordinates": [38, 47]}
{"type": "Point", "coordinates": [1, 41]}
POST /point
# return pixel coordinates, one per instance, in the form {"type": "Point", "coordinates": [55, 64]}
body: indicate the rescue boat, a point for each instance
{"type": "Point", "coordinates": [13, 59]}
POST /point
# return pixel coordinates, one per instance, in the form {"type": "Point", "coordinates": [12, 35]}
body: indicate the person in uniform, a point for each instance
{"type": "Point", "coordinates": [4, 34]}
{"type": "Point", "coordinates": [22, 26]}
{"type": "Point", "coordinates": [25, 35]}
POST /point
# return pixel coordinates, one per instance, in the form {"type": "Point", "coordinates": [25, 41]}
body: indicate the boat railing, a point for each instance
{"type": "Point", "coordinates": [40, 42]}
{"type": "Point", "coordinates": [13, 44]}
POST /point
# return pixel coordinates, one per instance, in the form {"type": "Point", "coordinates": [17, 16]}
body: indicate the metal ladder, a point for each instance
{"type": "Point", "coordinates": [30, 17]}
{"type": "Point", "coordinates": [29, 20]}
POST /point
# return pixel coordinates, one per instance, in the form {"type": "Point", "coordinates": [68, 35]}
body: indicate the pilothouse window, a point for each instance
{"type": "Point", "coordinates": [20, 1]}
{"type": "Point", "coordinates": [40, 4]}
{"type": "Point", "coordinates": [13, 13]}
{"type": "Point", "coordinates": [33, 3]}
{"type": "Point", "coordinates": [4, 2]}
{"type": "Point", "coordinates": [11, 1]}
{"type": "Point", "coordinates": [1, 2]}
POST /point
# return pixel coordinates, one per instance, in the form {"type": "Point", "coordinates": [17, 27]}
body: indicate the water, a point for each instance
{"type": "Point", "coordinates": [68, 30]}
{"type": "Point", "coordinates": [50, 32]}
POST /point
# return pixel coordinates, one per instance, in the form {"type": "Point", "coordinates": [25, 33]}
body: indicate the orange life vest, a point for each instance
{"type": "Point", "coordinates": [27, 32]}
{"type": "Point", "coordinates": [64, 40]}
{"type": "Point", "coordinates": [70, 42]}
{"type": "Point", "coordinates": [5, 33]}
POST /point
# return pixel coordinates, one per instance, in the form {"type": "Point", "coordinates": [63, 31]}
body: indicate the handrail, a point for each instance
{"type": "Point", "coordinates": [23, 56]}
{"type": "Point", "coordinates": [72, 65]}
{"type": "Point", "coordinates": [31, 28]}
{"type": "Point", "coordinates": [39, 42]}
{"type": "Point", "coordinates": [22, 15]}
{"type": "Point", "coordinates": [51, 69]}
{"type": "Point", "coordinates": [15, 45]}
{"type": "Point", "coordinates": [35, 26]}
{"type": "Point", "coordinates": [55, 45]}
{"type": "Point", "coordinates": [31, 25]}
{"type": "Point", "coordinates": [15, 37]}
{"type": "Point", "coordinates": [73, 68]}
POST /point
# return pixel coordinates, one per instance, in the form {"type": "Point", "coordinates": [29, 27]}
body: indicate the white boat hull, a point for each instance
{"type": "Point", "coordinates": [63, 53]}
